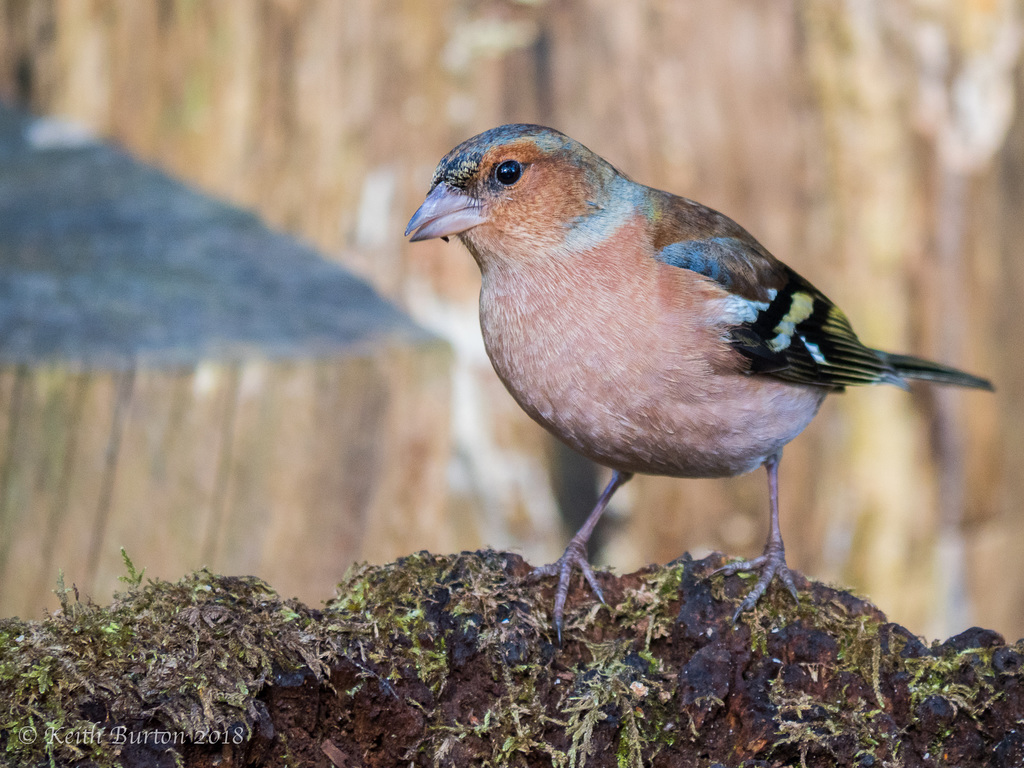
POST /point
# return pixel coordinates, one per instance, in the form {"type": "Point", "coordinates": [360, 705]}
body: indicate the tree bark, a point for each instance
{"type": "Point", "coordinates": [180, 380]}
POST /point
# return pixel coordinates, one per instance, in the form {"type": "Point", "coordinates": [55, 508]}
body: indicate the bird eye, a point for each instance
{"type": "Point", "coordinates": [508, 172]}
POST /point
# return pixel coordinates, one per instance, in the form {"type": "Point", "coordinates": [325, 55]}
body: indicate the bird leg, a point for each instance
{"type": "Point", "coordinates": [576, 553]}
{"type": "Point", "coordinates": [772, 561]}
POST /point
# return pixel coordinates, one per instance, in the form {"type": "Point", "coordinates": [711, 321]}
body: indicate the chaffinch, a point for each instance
{"type": "Point", "coordinates": [645, 330]}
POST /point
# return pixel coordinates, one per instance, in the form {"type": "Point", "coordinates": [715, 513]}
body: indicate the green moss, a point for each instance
{"type": "Point", "coordinates": [809, 720]}
{"type": "Point", "coordinates": [510, 726]}
{"type": "Point", "coordinates": [933, 676]}
{"type": "Point", "coordinates": [602, 690]}
{"type": "Point", "coordinates": [185, 656]}
{"type": "Point", "coordinates": [652, 607]}
{"type": "Point", "coordinates": [859, 656]}
{"type": "Point", "coordinates": [193, 655]}
{"type": "Point", "coordinates": [610, 688]}
{"type": "Point", "coordinates": [403, 603]}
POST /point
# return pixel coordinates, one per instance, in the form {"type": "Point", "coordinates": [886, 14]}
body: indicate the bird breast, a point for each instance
{"type": "Point", "coordinates": [624, 359]}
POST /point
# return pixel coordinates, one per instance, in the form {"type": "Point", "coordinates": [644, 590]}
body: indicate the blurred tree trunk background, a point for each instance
{"type": "Point", "coordinates": [875, 146]}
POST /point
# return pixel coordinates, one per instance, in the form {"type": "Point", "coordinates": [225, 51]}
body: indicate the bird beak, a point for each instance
{"type": "Point", "coordinates": [446, 211]}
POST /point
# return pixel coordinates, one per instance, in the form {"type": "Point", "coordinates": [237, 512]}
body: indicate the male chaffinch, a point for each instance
{"type": "Point", "coordinates": [646, 331]}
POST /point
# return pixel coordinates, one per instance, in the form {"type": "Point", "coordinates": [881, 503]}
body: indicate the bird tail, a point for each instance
{"type": "Point", "coordinates": [907, 367]}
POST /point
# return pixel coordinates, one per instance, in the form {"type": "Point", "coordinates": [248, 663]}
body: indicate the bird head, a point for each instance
{"type": "Point", "coordinates": [515, 192]}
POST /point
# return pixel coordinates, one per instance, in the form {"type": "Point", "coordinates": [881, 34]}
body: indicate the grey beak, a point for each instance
{"type": "Point", "coordinates": [446, 211]}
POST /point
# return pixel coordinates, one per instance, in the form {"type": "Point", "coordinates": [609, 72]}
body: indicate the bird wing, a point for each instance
{"type": "Point", "coordinates": [789, 330]}
{"type": "Point", "coordinates": [801, 336]}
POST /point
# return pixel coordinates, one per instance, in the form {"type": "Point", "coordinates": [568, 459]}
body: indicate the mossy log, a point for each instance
{"type": "Point", "coordinates": [450, 661]}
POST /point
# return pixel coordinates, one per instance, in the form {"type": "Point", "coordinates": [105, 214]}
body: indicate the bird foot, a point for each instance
{"type": "Point", "coordinates": [771, 564]}
{"type": "Point", "coordinates": [575, 555]}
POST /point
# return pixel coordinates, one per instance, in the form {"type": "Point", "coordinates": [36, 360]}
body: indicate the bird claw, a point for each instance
{"type": "Point", "coordinates": [771, 564]}
{"type": "Point", "coordinates": [575, 555]}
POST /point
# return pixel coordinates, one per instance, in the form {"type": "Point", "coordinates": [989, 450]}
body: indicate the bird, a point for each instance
{"type": "Point", "coordinates": [648, 332]}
